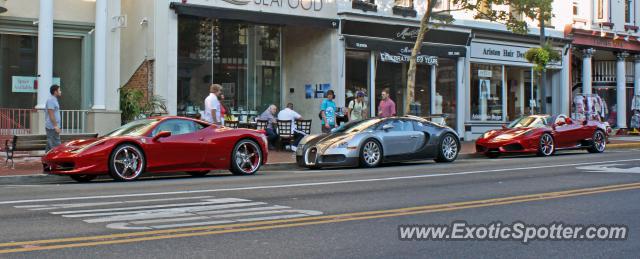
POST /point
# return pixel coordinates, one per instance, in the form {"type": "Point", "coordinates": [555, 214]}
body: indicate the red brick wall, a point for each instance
{"type": "Point", "coordinates": [142, 78]}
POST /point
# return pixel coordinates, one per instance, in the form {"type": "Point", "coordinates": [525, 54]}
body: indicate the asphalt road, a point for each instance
{"type": "Point", "coordinates": [330, 213]}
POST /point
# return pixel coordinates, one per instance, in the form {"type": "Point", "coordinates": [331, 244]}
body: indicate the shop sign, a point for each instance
{"type": "Point", "coordinates": [403, 58]}
{"type": "Point", "coordinates": [27, 84]}
{"type": "Point", "coordinates": [501, 52]}
{"type": "Point", "coordinates": [485, 73]}
{"type": "Point", "coordinates": [307, 5]}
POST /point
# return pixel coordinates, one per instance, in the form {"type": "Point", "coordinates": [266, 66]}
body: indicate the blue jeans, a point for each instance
{"type": "Point", "coordinates": [53, 139]}
{"type": "Point", "coordinates": [272, 136]}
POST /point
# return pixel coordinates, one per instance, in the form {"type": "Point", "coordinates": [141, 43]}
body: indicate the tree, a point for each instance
{"type": "Point", "coordinates": [533, 9]}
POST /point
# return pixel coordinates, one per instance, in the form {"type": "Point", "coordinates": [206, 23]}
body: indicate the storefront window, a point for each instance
{"type": "Point", "coordinates": [446, 85]}
{"type": "Point", "coordinates": [393, 76]}
{"type": "Point", "coordinates": [486, 92]}
{"type": "Point", "coordinates": [19, 66]}
{"type": "Point", "coordinates": [357, 75]}
{"type": "Point", "coordinates": [243, 58]}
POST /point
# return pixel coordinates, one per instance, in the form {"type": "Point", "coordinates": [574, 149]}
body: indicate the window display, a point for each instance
{"type": "Point", "coordinates": [486, 92]}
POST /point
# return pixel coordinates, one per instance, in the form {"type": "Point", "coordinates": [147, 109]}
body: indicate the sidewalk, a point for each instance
{"type": "Point", "coordinates": [278, 159]}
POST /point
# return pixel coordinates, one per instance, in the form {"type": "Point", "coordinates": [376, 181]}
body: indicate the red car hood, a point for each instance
{"type": "Point", "coordinates": [77, 144]}
{"type": "Point", "coordinates": [504, 134]}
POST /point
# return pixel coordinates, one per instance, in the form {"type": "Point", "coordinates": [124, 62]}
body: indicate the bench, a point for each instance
{"type": "Point", "coordinates": [33, 142]}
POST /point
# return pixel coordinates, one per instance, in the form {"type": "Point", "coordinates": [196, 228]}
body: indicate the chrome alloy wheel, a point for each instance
{"type": "Point", "coordinates": [248, 157]}
{"type": "Point", "coordinates": [449, 147]}
{"type": "Point", "coordinates": [128, 163]}
{"type": "Point", "coordinates": [371, 153]}
{"type": "Point", "coordinates": [546, 145]}
{"type": "Point", "coordinates": [599, 141]}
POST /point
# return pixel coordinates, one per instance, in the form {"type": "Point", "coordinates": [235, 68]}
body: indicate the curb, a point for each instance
{"type": "Point", "coordinates": [53, 179]}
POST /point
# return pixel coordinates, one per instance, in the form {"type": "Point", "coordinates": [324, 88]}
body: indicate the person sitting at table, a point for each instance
{"type": "Point", "coordinates": [288, 114]}
{"type": "Point", "coordinates": [269, 116]}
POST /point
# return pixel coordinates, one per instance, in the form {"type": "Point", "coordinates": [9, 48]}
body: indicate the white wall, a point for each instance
{"type": "Point", "coordinates": [310, 58]}
{"type": "Point", "coordinates": [136, 40]}
{"type": "Point", "coordinates": [63, 10]}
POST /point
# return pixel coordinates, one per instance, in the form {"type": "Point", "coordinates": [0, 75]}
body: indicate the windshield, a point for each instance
{"type": "Point", "coordinates": [134, 128]}
{"type": "Point", "coordinates": [356, 126]}
{"type": "Point", "coordinates": [528, 122]}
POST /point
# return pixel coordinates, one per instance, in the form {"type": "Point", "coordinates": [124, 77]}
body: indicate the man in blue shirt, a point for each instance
{"type": "Point", "coordinates": [52, 118]}
{"type": "Point", "coordinates": [328, 112]}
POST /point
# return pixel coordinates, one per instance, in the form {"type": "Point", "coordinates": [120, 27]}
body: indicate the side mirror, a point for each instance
{"type": "Point", "coordinates": [387, 127]}
{"type": "Point", "coordinates": [585, 122]}
{"type": "Point", "coordinates": [504, 126]}
{"type": "Point", "coordinates": [161, 134]}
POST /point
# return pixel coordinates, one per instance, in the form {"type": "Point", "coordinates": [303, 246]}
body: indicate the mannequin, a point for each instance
{"type": "Point", "coordinates": [438, 104]}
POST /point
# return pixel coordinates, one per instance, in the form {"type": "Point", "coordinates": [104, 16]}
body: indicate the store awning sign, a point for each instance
{"type": "Point", "coordinates": [26, 84]}
{"type": "Point", "coordinates": [402, 58]}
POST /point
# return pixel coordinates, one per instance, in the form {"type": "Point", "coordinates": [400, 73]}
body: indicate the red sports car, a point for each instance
{"type": "Point", "coordinates": [543, 135]}
{"type": "Point", "coordinates": [161, 144]}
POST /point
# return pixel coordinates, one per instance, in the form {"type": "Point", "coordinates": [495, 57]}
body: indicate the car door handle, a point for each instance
{"type": "Point", "coordinates": [414, 137]}
{"type": "Point", "coordinates": [201, 139]}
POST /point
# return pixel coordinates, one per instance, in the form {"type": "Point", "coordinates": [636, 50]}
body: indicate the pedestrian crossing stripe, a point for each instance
{"type": "Point", "coordinates": [180, 212]}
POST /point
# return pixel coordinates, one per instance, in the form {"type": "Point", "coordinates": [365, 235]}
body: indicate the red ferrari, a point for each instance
{"type": "Point", "coordinates": [161, 144]}
{"type": "Point", "coordinates": [543, 135]}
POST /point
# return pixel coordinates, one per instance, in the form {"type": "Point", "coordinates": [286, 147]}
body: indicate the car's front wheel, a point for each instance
{"type": "Point", "coordinates": [370, 153]}
{"type": "Point", "coordinates": [448, 149]}
{"type": "Point", "coordinates": [246, 158]}
{"type": "Point", "coordinates": [126, 163]}
{"type": "Point", "coordinates": [84, 178]}
{"type": "Point", "coordinates": [599, 142]}
{"type": "Point", "coordinates": [546, 146]}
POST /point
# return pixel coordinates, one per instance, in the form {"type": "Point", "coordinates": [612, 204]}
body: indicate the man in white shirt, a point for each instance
{"type": "Point", "coordinates": [212, 105]}
{"type": "Point", "coordinates": [289, 114]}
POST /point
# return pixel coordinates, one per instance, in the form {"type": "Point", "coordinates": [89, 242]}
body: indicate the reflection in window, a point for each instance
{"type": "Point", "coordinates": [357, 75]}
{"type": "Point", "coordinates": [243, 58]}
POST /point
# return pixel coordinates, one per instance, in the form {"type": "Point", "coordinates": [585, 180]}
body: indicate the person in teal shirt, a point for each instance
{"type": "Point", "coordinates": [328, 112]}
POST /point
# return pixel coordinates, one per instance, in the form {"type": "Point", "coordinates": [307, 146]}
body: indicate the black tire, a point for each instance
{"type": "Point", "coordinates": [84, 178]}
{"type": "Point", "coordinates": [493, 155]}
{"type": "Point", "coordinates": [598, 143]}
{"type": "Point", "coordinates": [198, 173]}
{"type": "Point", "coordinates": [118, 170]}
{"type": "Point", "coordinates": [371, 153]}
{"type": "Point", "coordinates": [448, 148]}
{"type": "Point", "coordinates": [244, 152]}
{"type": "Point", "coordinates": [546, 145]}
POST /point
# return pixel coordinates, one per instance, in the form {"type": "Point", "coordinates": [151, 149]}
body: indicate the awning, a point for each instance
{"type": "Point", "coordinates": [390, 46]}
{"type": "Point", "coordinates": [251, 16]}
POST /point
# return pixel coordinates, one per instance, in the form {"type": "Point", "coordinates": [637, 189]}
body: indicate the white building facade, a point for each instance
{"type": "Point", "coordinates": [281, 51]}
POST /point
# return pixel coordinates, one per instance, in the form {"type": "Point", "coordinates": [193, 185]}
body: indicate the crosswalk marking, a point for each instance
{"type": "Point", "coordinates": [158, 214]}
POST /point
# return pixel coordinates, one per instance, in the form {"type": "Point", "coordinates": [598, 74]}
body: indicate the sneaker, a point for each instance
{"type": "Point", "coordinates": [294, 148]}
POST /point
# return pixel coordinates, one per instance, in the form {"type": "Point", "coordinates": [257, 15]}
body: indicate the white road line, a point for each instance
{"type": "Point", "coordinates": [309, 184]}
{"type": "Point", "coordinates": [207, 202]}
{"type": "Point", "coordinates": [243, 210]}
{"type": "Point", "coordinates": [96, 204]}
{"type": "Point", "coordinates": [176, 212]}
{"type": "Point", "coordinates": [155, 221]}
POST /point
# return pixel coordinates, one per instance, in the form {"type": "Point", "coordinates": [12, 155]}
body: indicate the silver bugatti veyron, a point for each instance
{"type": "Point", "coordinates": [369, 142]}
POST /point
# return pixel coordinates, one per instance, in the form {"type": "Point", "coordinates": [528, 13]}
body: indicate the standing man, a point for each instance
{"type": "Point", "coordinates": [357, 108]}
{"type": "Point", "coordinates": [328, 112]}
{"type": "Point", "coordinates": [387, 107]}
{"type": "Point", "coordinates": [52, 118]}
{"type": "Point", "coordinates": [212, 105]}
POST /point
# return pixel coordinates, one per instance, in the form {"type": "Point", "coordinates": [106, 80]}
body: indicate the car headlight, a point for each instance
{"type": "Point", "coordinates": [343, 144]}
{"type": "Point", "coordinates": [487, 134]}
{"type": "Point", "coordinates": [82, 149]}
